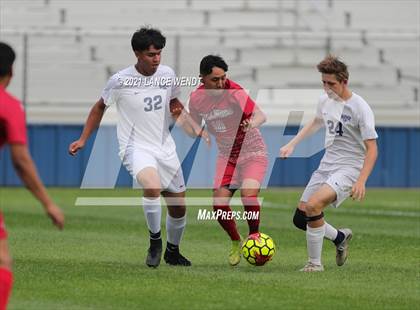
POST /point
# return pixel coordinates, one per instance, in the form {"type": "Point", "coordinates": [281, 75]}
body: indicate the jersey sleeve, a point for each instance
{"type": "Point", "coordinates": [320, 106]}
{"type": "Point", "coordinates": [16, 126]}
{"type": "Point", "coordinates": [109, 92]}
{"type": "Point", "coordinates": [193, 111]}
{"type": "Point", "coordinates": [245, 102]}
{"type": "Point", "coordinates": [175, 89]}
{"type": "Point", "coordinates": [367, 123]}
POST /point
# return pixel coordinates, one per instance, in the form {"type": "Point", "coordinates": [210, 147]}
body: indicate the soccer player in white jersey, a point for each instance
{"type": "Point", "coordinates": [349, 158]}
{"type": "Point", "coordinates": [145, 96]}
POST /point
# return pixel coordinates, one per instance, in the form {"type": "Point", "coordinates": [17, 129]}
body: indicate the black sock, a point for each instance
{"type": "Point", "coordinates": [155, 240]}
{"type": "Point", "coordinates": [154, 236]}
{"type": "Point", "coordinates": [340, 237]}
{"type": "Point", "coordinates": [172, 247]}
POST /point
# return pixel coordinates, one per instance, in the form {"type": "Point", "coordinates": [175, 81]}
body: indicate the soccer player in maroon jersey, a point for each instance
{"type": "Point", "coordinates": [13, 132]}
{"type": "Point", "coordinates": [233, 118]}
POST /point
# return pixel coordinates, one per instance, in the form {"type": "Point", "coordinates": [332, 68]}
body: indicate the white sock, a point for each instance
{"type": "Point", "coordinates": [314, 239]}
{"type": "Point", "coordinates": [175, 228]}
{"type": "Point", "coordinates": [330, 232]}
{"type": "Point", "coordinates": [152, 212]}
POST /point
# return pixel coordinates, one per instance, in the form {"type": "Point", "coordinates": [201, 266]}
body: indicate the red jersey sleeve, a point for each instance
{"type": "Point", "coordinates": [14, 123]}
{"type": "Point", "coordinates": [243, 99]}
{"type": "Point", "coordinates": [192, 107]}
{"type": "Point", "coordinates": [249, 106]}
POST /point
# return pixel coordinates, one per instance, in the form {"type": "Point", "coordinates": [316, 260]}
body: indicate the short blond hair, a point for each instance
{"type": "Point", "coordinates": [332, 65]}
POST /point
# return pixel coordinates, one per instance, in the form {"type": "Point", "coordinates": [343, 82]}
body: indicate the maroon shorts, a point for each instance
{"type": "Point", "coordinates": [230, 174]}
{"type": "Point", "coordinates": [3, 232]}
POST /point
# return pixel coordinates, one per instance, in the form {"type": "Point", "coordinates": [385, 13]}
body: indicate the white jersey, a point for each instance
{"type": "Point", "coordinates": [347, 125]}
{"type": "Point", "coordinates": [143, 108]}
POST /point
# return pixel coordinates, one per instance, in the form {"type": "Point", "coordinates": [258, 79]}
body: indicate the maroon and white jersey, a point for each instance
{"type": "Point", "coordinates": [223, 111]}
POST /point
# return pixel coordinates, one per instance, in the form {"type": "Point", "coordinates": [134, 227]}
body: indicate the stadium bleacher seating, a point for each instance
{"type": "Point", "coordinates": [269, 45]}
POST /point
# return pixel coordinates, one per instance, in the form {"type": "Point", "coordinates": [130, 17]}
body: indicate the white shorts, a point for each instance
{"type": "Point", "coordinates": [340, 180]}
{"type": "Point", "coordinates": [168, 168]}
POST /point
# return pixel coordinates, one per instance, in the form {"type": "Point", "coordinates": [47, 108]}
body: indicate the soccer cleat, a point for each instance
{"type": "Point", "coordinates": [311, 267]}
{"type": "Point", "coordinates": [175, 258]}
{"type": "Point", "coordinates": [342, 249]}
{"type": "Point", "coordinates": [235, 253]}
{"type": "Point", "coordinates": [154, 253]}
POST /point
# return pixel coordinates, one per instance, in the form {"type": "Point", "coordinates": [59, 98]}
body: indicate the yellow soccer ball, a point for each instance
{"type": "Point", "coordinates": [258, 250]}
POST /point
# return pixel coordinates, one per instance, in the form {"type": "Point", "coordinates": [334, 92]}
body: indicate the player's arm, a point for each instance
{"type": "Point", "coordinates": [359, 188]}
{"type": "Point", "coordinates": [188, 123]}
{"type": "Point", "coordinates": [92, 123]}
{"type": "Point", "coordinates": [309, 129]}
{"type": "Point", "coordinates": [256, 120]}
{"type": "Point", "coordinates": [26, 170]}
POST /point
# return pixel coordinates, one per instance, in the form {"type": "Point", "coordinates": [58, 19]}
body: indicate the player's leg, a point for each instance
{"type": "Point", "coordinates": [173, 185]}
{"type": "Point", "coordinates": [318, 179]}
{"type": "Point", "coordinates": [249, 196]}
{"type": "Point", "coordinates": [342, 181]}
{"type": "Point", "coordinates": [315, 230]}
{"type": "Point", "coordinates": [176, 220]}
{"type": "Point", "coordinates": [142, 165]}
{"type": "Point", "coordinates": [150, 181]}
{"type": "Point", "coordinates": [331, 233]}
{"type": "Point", "coordinates": [6, 275]}
{"type": "Point", "coordinates": [252, 173]}
{"type": "Point", "coordinates": [299, 218]}
{"type": "Point", "coordinates": [224, 188]}
{"type": "Point", "coordinates": [223, 191]}
{"type": "Point", "coordinates": [221, 200]}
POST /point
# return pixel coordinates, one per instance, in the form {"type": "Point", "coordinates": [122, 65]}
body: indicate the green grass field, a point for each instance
{"type": "Point", "coordinates": [97, 262]}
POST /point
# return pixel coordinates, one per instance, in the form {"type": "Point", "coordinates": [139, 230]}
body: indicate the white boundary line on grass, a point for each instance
{"type": "Point", "coordinates": [135, 201]}
{"type": "Point", "coordinates": [208, 202]}
{"type": "Point", "coordinates": [269, 204]}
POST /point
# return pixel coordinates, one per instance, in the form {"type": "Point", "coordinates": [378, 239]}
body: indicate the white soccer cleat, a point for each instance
{"type": "Point", "coordinates": [342, 250]}
{"type": "Point", "coordinates": [311, 267]}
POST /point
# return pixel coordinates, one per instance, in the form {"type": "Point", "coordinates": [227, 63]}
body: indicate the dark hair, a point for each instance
{"type": "Point", "coordinates": [332, 65]}
{"type": "Point", "coordinates": [7, 57]}
{"type": "Point", "coordinates": [145, 37]}
{"type": "Point", "coordinates": [210, 61]}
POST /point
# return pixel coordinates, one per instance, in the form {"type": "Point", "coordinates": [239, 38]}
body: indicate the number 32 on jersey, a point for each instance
{"type": "Point", "coordinates": [152, 103]}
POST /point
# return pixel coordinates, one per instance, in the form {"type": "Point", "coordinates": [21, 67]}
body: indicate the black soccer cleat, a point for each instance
{"type": "Point", "coordinates": [342, 249]}
{"type": "Point", "coordinates": [154, 253]}
{"type": "Point", "coordinates": [175, 258]}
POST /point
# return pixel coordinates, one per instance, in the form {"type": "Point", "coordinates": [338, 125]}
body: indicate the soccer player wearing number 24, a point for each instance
{"type": "Point", "coordinates": [349, 158]}
{"type": "Point", "coordinates": [144, 99]}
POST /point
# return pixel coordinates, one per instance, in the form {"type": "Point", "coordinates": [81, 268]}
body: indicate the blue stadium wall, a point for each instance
{"type": "Point", "coordinates": [398, 163]}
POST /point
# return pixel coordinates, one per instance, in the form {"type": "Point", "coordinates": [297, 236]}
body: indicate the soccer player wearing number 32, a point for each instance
{"type": "Point", "coordinates": [144, 95]}
{"type": "Point", "coordinates": [349, 158]}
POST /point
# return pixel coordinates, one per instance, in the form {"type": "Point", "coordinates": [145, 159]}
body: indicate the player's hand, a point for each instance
{"type": "Point", "coordinates": [75, 147]}
{"type": "Point", "coordinates": [56, 215]}
{"type": "Point", "coordinates": [176, 108]}
{"type": "Point", "coordinates": [205, 135]}
{"type": "Point", "coordinates": [358, 191]}
{"type": "Point", "coordinates": [286, 151]}
{"type": "Point", "coordinates": [247, 124]}
{"type": "Point", "coordinates": [176, 111]}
